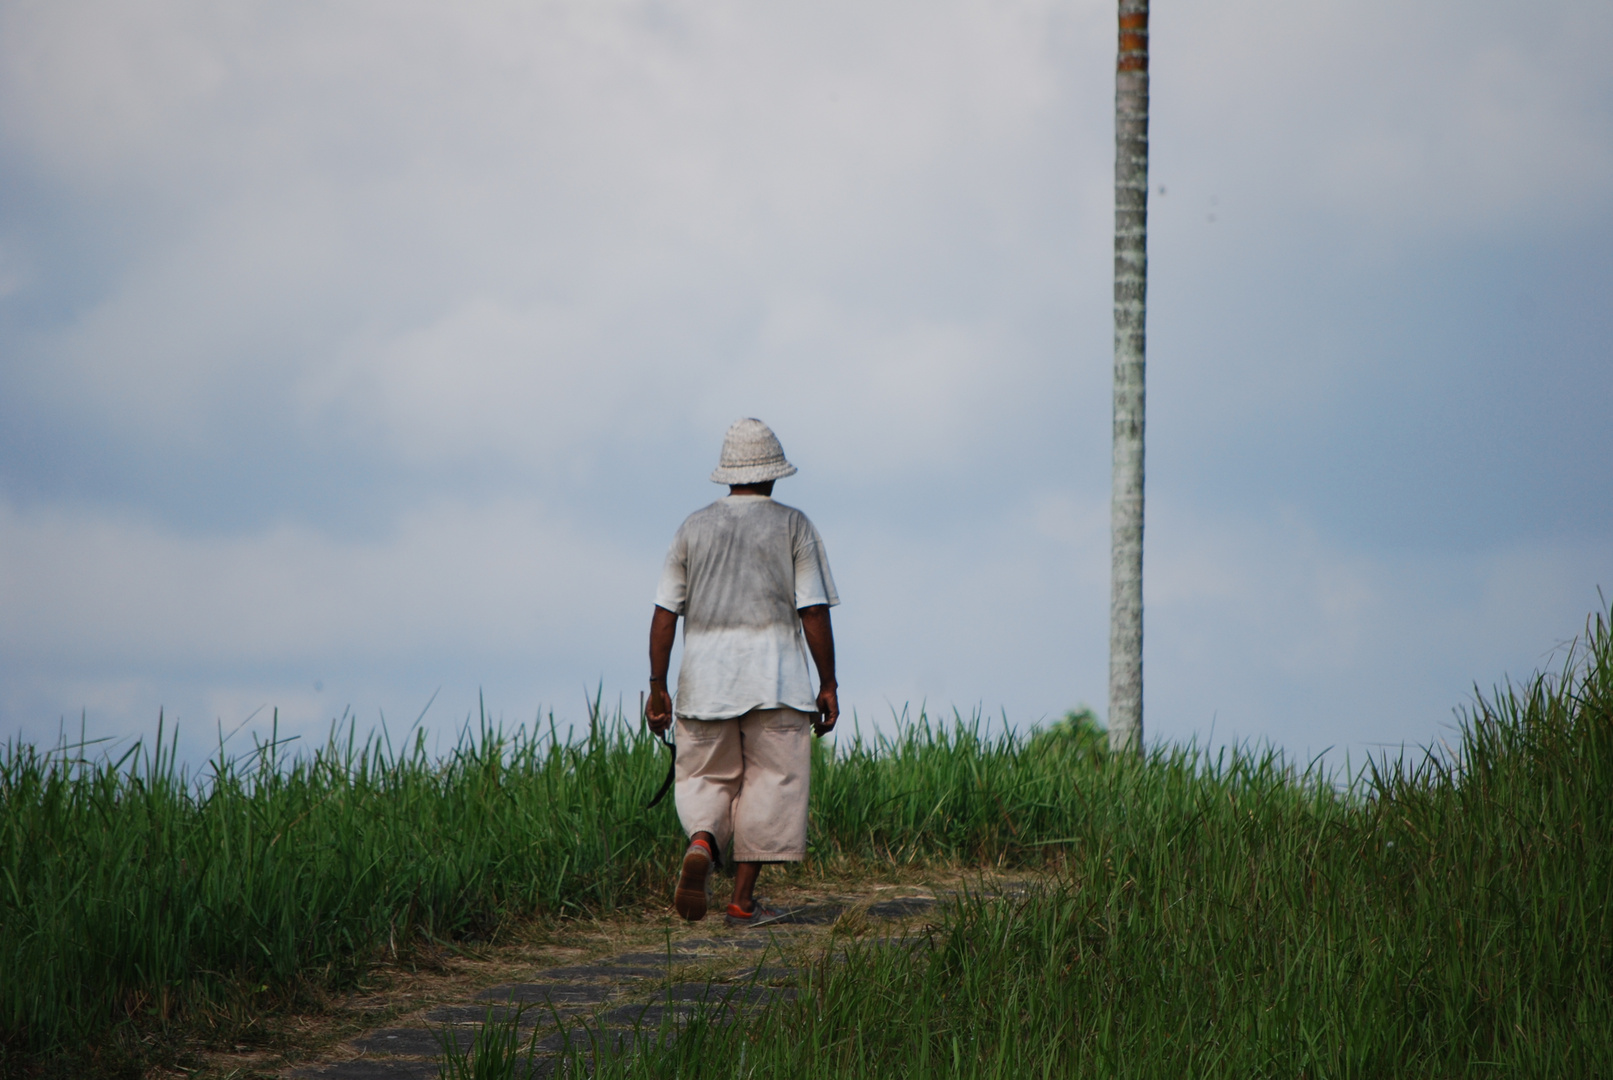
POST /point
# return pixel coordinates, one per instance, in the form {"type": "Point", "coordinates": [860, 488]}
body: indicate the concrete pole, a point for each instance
{"type": "Point", "coordinates": [1131, 307]}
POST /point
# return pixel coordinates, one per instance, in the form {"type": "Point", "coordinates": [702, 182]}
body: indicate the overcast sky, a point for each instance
{"type": "Point", "coordinates": [354, 351]}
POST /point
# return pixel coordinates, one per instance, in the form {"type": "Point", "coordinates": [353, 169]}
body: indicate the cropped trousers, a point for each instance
{"type": "Point", "coordinates": [746, 779]}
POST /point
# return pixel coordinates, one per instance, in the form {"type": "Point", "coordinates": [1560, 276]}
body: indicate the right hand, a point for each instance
{"type": "Point", "coordinates": [828, 711]}
{"type": "Point", "coordinates": [658, 708]}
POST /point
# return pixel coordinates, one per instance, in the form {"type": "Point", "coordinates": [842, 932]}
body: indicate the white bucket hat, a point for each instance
{"type": "Point", "coordinates": [751, 454]}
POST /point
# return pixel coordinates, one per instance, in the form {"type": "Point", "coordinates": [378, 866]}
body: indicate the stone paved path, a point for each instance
{"type": "Point", "coordinates": [614, 1000]}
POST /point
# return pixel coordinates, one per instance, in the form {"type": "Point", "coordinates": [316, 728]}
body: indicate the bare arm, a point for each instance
{"type": "Point", "coordinates": [820, 640]}
{"type": "Point", "coordinates": [663, 630]}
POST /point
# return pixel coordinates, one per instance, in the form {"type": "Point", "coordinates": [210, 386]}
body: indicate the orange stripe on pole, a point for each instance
{"type": "Point", "coordinates": [1133, 52]}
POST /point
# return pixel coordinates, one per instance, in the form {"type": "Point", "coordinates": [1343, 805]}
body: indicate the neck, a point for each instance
{"type": "Point", "coordinates": [764, 488]}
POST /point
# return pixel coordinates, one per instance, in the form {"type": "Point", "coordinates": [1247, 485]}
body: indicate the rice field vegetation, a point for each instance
{"type": "Point", "coordinates": [1223, 917]}
{"type": "Point", "coordinates": [1223, 914]}
{"type": "Point", "coordinates": [131, 892]}
{"type": "Point", "coordinates": [136, 896]}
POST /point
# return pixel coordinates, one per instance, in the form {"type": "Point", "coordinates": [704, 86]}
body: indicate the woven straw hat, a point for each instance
{"type": "Point", "coordinates": [751, 454]}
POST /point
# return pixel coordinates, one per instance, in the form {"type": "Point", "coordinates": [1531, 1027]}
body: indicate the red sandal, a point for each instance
{"type": "Point", "coordinates": [693, 895]}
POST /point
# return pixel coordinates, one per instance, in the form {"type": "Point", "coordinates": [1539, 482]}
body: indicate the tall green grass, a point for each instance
{"type": "Point", "coordinates": [1215, 913]}
{"type": "Point", "coordinates": [1225, 918]}
{"type": "Point", "coordinates": [131, 891]}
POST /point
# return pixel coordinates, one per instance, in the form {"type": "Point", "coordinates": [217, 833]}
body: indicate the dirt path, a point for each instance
{"type": "Point", "coordinates": [599, 983]}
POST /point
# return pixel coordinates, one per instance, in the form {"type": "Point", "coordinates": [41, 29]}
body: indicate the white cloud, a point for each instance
{"type": "Point", "coordinates": [1460, 118]}
{"type": "Point", "coordinates": [453, 579]}
{"type": "Point", "coordinates": [1279, 632]}
{"type": "Point", "coordinates": [13, 270]}
{"type": "Point", "coordinates": [1265, 630]}
{"type": "Point", "coordinates": [422, 216]}
{"type": "Point", "coordinates": [505, 240]}
{"type": "Point", "coordinates": [482, 378]}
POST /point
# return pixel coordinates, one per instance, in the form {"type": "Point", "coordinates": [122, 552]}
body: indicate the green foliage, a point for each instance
{"type": "Point", "coordinates": [1226, 918]}
{"type": "Point", "coordinates": [1076, 731]}
{"type": "Point", "coordinates": [498, 1052]}
{"type": "Point", "coordinates": [128, 891]}
{"type": "Point", "coordinates": [1209, 914]}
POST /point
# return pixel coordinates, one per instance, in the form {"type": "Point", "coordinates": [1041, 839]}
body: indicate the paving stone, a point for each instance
{"type": "Point", "coordinates": [728, 993]}
{"type": "Point", "coordinates": [477, 1014]}
{"type": "Point", "coordinates": [743, 938]}
{"type": "Point", "coordinates": [413, 1041]}
{"type": "Point", "coordinates": [618, 1039]}
{"type": "Point", "coordinates": [586, 1040]}
{"type": "Point", "coordinates": [640, 958]}
{"type": "Point", "coordinates": [769, 973]}
{"type": "Point", "coordinates": [900, 907]}
{"type": "Point", "coordinates": [528, 1068]}
{"type": "Point", "coordinates": [645, 1015]}
{"type": "Point", "coordinates": [548, 993]}
{"type": "Point", "coordinates": [703, 991]}
{"type": "Point", "coordinates": [534, 1068]}
{"type": "Point", "coordinates": [554, 1044]}
{"type": "Point", "coordinates": [810, 915]}
{"type": "Point", "coordinates": [817, 915]}
{"type": "Point", "coordinates": [753, 939]}
{"type": "Point", "coordinates": [375, 1070]}
{"type": "Point", "coordinates": [605, 971]}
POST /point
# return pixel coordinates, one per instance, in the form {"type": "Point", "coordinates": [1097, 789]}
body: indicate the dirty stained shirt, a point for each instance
{"type": "Point", "coordinates": [738, 572]}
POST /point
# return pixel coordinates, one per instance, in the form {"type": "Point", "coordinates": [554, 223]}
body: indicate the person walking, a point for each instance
{"type": "Point", "coordinates": [751, 580]}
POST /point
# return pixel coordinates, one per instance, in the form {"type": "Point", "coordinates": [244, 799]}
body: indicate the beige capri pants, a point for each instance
{"type": "Point", "coordinates": [746, 779]}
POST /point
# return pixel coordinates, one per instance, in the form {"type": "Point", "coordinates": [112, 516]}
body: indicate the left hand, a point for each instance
{"type": "Point", "coordinates": [658, 710]}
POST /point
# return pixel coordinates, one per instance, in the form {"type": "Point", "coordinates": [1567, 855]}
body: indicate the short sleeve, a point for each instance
{"type": "Point", "coordinates": [673, 592]}
{"type": "Point", "coordinates": [814, 584]}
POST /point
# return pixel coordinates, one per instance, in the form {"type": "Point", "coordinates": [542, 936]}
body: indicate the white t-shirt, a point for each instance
{"type": "Point", "coordinates": [738, 572]}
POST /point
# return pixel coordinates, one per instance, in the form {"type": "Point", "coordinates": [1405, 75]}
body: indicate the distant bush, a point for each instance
{"type": "Point", "coordinates": [1077, 730]}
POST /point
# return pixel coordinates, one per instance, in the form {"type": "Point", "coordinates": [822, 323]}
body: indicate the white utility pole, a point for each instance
{"type": "Point", "coordinates": [1131, 310]}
